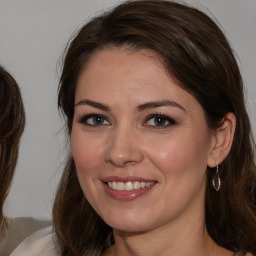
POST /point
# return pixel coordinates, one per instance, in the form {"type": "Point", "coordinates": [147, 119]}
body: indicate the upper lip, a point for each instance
{"type": "Point", "coordinates": [125, 179]}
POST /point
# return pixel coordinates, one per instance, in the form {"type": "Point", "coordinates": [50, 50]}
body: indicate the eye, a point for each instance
{"type": "Point", "coordinates": [159, 121]}
{"type": "Point", "coordinates": [93, 120]}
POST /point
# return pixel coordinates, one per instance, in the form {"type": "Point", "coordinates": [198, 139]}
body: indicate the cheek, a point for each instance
{"type": "Point", "coordinates": [86, 152]}
{"type": "Point", "coordinates": [181, 155]}
{"type": "Point", "coordinates": [87, 155]}
{"type": "Point", "coordinates": [170, 158]}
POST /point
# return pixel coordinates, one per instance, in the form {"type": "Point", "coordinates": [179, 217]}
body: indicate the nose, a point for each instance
{"type": "Point", "coordinates": [123, 149]}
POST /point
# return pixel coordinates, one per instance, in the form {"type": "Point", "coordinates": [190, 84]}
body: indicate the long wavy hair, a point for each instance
{"type": "Point", "coordinates": [12, 122]}
{"type": "Point", "coordinates": [195, 52]}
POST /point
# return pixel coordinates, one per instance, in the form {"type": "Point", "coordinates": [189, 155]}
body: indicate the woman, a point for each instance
{"type": "Point", "coordinates": [161, 148]}
{"type": "Point", "coordinates": [12, 121]}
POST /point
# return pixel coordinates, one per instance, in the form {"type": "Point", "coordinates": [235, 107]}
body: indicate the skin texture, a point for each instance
{"type": "Point", "coordinates": [127, 140]}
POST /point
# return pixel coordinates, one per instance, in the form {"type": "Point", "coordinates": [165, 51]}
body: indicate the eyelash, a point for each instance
{"type": "Point", "coordinates": [160, 116]}
{"type": "Point", "coordinates": [84, 120]}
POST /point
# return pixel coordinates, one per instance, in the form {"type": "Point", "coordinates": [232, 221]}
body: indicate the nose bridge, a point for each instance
{"type": "Point", "coordinates": [123, 147]}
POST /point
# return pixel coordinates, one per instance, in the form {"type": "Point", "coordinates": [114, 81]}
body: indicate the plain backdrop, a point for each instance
{"type": "Point", "coordinates": [33, 34]}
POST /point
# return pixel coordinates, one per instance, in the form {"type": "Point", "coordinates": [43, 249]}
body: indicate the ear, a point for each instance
{"type": "Point", "coordinates": [222, 139]}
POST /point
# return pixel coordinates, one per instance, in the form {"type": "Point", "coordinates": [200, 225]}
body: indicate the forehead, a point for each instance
{"type": "Point", "coordinates": [120, 74]}
{"type": "Point", "coordinates": [125, 57]}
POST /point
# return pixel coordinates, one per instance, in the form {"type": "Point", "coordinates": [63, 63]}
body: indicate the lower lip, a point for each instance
{"type": "Point", "coordinates": [126, 195]}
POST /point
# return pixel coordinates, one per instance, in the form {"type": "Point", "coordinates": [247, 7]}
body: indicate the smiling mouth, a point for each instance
{"type": "Point", "coordinates": [129, 185]}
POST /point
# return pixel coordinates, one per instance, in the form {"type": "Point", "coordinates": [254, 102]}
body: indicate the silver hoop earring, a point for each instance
{"type": "Point", "coordinates": [216, 182]}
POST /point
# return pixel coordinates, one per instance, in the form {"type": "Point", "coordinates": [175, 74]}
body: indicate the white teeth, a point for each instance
{"type": "Point", "coordinates": [120, 185]}
{"type": "Point", "coordinates": [136, 185]}
{"type": "Point", "coordinates": [148, 184]}
{"type": "Point", "coordinates": [142, 184]}
{"type": "Point", "coordinates": [114, 185]}
{"type": "Point", "coordinates": [128, 186]}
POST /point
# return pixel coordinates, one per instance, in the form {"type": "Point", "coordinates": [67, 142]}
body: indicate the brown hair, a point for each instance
{"type": "Point", "coordinates": [196, 53]}
{"type": "Point", "coordinates": [12, 122]}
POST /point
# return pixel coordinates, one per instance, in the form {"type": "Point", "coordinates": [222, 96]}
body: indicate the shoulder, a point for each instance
{"type": "Point", "coordinates": [40, 243]}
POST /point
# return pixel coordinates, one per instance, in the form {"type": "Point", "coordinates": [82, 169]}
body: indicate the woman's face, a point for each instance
{"type": "Point", "coordinates": [140, 142]}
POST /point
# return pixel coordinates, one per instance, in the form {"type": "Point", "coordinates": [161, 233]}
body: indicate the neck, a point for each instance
{"type": "Point", "coordinates": [147, 244]}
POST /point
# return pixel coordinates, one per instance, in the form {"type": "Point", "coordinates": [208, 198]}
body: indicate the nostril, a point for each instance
{"type": "Point", "coordinates": [122, 148]}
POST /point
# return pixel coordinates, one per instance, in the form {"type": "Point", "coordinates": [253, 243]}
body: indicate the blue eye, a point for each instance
{"type": "Point", "coordinates": [93, 120]}
{"type": "Point", "coordinates": [159, 121]}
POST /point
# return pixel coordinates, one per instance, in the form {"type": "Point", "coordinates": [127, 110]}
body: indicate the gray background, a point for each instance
{"type": "Point", "coordinates": [33, 34]}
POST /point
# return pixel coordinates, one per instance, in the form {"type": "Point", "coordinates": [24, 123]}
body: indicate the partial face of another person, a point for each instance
{"type": "Point", "coordinates": [140, 142]}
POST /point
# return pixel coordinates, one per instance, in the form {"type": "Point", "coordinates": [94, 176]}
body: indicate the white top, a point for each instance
{"type": "Point", "coordinates": [40, 243]}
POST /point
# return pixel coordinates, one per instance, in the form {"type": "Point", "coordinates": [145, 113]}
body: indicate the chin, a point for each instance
{"type": "Point", "coordinates": [130, 224]}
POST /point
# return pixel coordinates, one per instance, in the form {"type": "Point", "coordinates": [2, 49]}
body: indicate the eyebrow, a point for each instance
{"type": "Point", "coordinates": [93, 104]}
{"type": "Point", "coordinates": [140, 108]}
{"type": "Point", "coordinates": [157, 104]}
